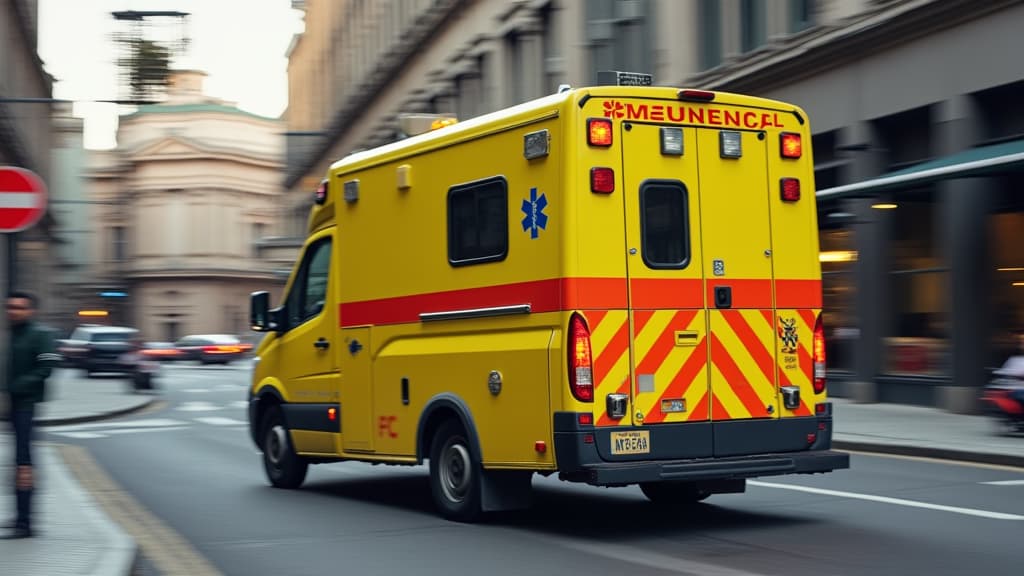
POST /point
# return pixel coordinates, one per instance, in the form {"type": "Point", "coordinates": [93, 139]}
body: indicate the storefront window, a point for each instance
{"type": "Point", "coordinates": [1007, 284]}
{"type": "Point", "coordinates": [841, 330]}
{"type": "Point", "coordinates": [918, 333]}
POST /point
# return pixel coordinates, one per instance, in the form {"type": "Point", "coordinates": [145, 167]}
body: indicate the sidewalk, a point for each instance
{"type": "Point", "coordinates": [921, 431]}
{"type": "Point", "coordinates": [73, 535]}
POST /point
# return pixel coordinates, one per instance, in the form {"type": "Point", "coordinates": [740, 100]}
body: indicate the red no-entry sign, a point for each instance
{"type": "Point", "coordinates": [22, 199]}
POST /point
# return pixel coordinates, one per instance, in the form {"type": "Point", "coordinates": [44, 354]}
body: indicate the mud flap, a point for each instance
{"type": "Point", "coordinates": [506, 490]}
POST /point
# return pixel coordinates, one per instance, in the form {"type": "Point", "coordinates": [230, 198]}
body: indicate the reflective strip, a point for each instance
{"type": "Point", "coordinates": [19, 199]}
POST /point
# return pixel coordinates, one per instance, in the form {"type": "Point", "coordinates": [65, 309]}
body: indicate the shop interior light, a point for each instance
{"type": "Point", "coordinates": [1011, 269]}
{"type": "Point", "coordinates": [838, 256]}
{"type": "Point", "coordinates": [885, 206]}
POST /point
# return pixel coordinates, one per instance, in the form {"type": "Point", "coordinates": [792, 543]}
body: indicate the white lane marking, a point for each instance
{"type": "Point", "coordinates": [106, 433]}
{"type": "Point", "coordinates": [239, 404]}
{"type": "Point", "coordinates": [19, 199]}
{"type": "Point", "coordinates": [887, 500]}
{"type": "Point", "coordinates": [144, 423]}
{"type": "Point", "coordinates": [1005, 483]}
{"type": "Point", "coordinates": [197, 406]}
{"type": "Point", "coordinates": [220, 421]}
{"type": "Point", "coordinates": [668, 563]}
{"type": "Point", "coordinates": [134, 430]}
{"type": "Point", "coordinates": [81, 434]}
{"type": "Point", "coordinates": [196, 390]}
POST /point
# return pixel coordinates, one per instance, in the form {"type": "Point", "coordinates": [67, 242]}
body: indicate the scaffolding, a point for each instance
{"type": "Point", "coordinates": [148, 43]}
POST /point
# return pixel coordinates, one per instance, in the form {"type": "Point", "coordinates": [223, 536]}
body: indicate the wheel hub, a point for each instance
{"type": "Point", "coordinates": [455, 471]}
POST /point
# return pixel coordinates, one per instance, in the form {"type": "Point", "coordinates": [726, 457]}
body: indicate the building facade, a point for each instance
{"type": "Point", "coordinates": [922, 280]}
{"type": "Point", "coordinates": [181, 205]}
{"type": "Point", "coordinates": [25, 141]}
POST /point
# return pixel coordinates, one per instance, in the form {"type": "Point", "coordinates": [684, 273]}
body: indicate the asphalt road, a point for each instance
{"type": "Point", "coordinates": [191, 465]}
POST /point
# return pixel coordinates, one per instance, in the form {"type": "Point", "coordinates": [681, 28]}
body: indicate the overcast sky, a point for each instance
{"type": "Point", "coordinates": [241, 44]}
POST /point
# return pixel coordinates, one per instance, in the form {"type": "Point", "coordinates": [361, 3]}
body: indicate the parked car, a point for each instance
{"type": "Point", "coordinates": [212, 348]}
{"type": "Point", "coordinates": [160, 351]}
{"type": "Point", "coordinates": [108, 349]}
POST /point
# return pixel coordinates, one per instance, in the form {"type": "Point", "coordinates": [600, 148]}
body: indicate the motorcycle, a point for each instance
{"type": "Point", "coordinates": [1003, 398]}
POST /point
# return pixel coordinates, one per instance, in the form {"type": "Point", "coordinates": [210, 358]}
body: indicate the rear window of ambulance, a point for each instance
{"type": "Point", "coordinates": [665, 224]}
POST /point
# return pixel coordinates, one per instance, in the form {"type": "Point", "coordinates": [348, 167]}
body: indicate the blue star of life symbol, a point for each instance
{"type": "Point", "coordinates": [535, 217]}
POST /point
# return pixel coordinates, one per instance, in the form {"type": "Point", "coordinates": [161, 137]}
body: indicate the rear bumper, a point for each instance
{"type": "Point", "coordinates": [617, 473]}
{"type": "Point", "coordinates": [699, 451]}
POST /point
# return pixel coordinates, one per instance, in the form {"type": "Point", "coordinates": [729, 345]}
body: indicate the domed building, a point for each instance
{"type": "Point", "coordinates": [181, 205]}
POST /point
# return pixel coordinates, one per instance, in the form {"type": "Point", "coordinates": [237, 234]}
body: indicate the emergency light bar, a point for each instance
{"type": "Point", "coordinates": [616, 78]}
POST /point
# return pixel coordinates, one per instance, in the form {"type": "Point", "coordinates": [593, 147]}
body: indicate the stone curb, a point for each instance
{"type": "Point", "coordinates": [142, 405]}
{"type": "Point", "coordinates": [931, 452]}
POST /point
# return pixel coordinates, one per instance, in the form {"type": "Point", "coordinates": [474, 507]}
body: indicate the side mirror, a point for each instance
{"type": "Point", "coordinates": [259, 312]}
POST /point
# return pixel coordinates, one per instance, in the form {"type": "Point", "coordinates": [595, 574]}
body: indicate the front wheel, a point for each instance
{"type": "Point", "coordinates": [285, 468]}
{"type": "Point", "coordinates": [673, 494]}
{"type": "Point", "coordinates": [455, 474]}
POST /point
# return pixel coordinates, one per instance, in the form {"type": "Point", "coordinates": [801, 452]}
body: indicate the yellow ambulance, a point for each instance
{"type": "Point", "coordinates": [617, 284]}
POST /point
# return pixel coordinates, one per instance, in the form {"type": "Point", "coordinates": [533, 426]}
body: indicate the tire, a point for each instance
{"type": "Point", "coordinates": [284, 468]}
{"type": "Point", "coordinates": [673, 494]}
{"type": "Point", "coordinates": [455, 474]}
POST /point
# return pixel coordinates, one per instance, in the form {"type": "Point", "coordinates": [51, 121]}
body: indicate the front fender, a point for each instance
{"type": "Point", "coordinates": [268, 391]}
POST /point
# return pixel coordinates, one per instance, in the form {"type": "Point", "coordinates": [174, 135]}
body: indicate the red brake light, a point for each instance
{"type": "Point", "coordinates": [696, 95]}
{"type": "Point", "coordinates": [789, 189]}
{"type": "Point", "coordinates": [819, 356]}
{"type": "Point", "coordinates": [599, 132]}
{"type": "Point", "coordinates": [581, 375]}
{"type": "Point", "coordinates": [602, 180]}
{"type": "Point", "coordinates": [790, 145]}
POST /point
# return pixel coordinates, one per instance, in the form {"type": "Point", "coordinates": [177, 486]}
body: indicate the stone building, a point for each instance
{"type": "Point", "coordinates": [180, 207]}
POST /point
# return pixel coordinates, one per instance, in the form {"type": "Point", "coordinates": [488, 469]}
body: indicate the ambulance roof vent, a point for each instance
{"type": "Point", "coordinates": [562, 88]}
{"type": "Point", "coordinates": [616, 78]}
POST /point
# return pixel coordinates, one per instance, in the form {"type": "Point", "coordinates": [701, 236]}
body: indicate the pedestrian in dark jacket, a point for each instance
{"type": "Point", "coordinates": [30, 361]}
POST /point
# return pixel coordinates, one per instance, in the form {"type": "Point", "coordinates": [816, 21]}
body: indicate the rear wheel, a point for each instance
{"type": "Point", "coordinates": [455, 474]}
{"type": "Point", "coordinates": [673, 494]}
{"type": "Point", "coordinates": [284, 468]}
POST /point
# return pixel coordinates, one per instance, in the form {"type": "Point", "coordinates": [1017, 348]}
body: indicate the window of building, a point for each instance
{"type": "Point", "coordinates": [258, 231]}
{"type": "Point", "coordinates": [906, 137]}
{"type": "Point", "coordinates": [478, 222]}
{"type": "Point", "coordinates": [554, 65]}
{"type": "Point", "coordinates": [917, 342]}
{"type": "Point", "coordinates": [801, 15]}
{"type": "Point", "coordinates": [709, 14]}
{"type": "Point", "coordinates": [838, 256]}
{"type": "Point", "coordinates": [1007, 262]}
{"type": "Point", "coordinates": [664, 224]}
{"type": "Point", "coordinates": [118, 243]}
{"type": "Point", "coordinates": [752, 24]}
{"type": "Point", "coordinates": [620, 34]}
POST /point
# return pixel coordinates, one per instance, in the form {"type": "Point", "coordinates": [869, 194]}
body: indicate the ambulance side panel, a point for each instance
{"type": "Point", "coordinates": [478, 332]}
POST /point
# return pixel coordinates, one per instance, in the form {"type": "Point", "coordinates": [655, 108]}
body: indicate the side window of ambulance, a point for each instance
{"type": "Point", "coordinates": [309, 291]}
{"type": "Point", "coordinates": [478, 222]}
{"type": "Point", "coordinates": [665, 224]}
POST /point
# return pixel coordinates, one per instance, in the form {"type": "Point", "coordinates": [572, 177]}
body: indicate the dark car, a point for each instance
{"type": "Point", "coordinates": [108, 349]}
{"type": "Point", "coordinates": [212, 348]}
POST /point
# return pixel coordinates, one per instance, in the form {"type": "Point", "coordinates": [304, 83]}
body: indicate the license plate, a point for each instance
{"type": "Point", "coordinates": [632, 442]}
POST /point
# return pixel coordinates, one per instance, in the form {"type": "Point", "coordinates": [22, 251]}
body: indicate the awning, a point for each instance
{"type": "Point", "coordinates": [980, 161]}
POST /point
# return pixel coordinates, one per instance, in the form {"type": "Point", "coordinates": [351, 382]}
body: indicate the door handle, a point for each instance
{"type": "Point", "coordinates": [322, 344]}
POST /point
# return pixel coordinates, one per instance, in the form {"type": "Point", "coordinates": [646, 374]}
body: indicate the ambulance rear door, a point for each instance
{"type": "Point", "coordinates": [736, 236]}
{"type": "Point", "coordinates": [668, 322]}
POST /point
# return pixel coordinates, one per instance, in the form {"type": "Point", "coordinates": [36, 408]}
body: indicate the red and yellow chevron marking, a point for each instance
{"type": "Point", "coordinates": [797, 368]}
{"type": "Point", "coordinates": [744, 369]}
{"type": "Point", "coordinates": [609, 343]}
{"type": "Point", "coordinates": [676, 371]}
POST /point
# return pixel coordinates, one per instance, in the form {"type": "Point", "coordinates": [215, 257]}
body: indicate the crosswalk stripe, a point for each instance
{"type": "Point", "coordinates": [220, 421]}
{"type": "Point", "coordinates": [1005, 483]}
